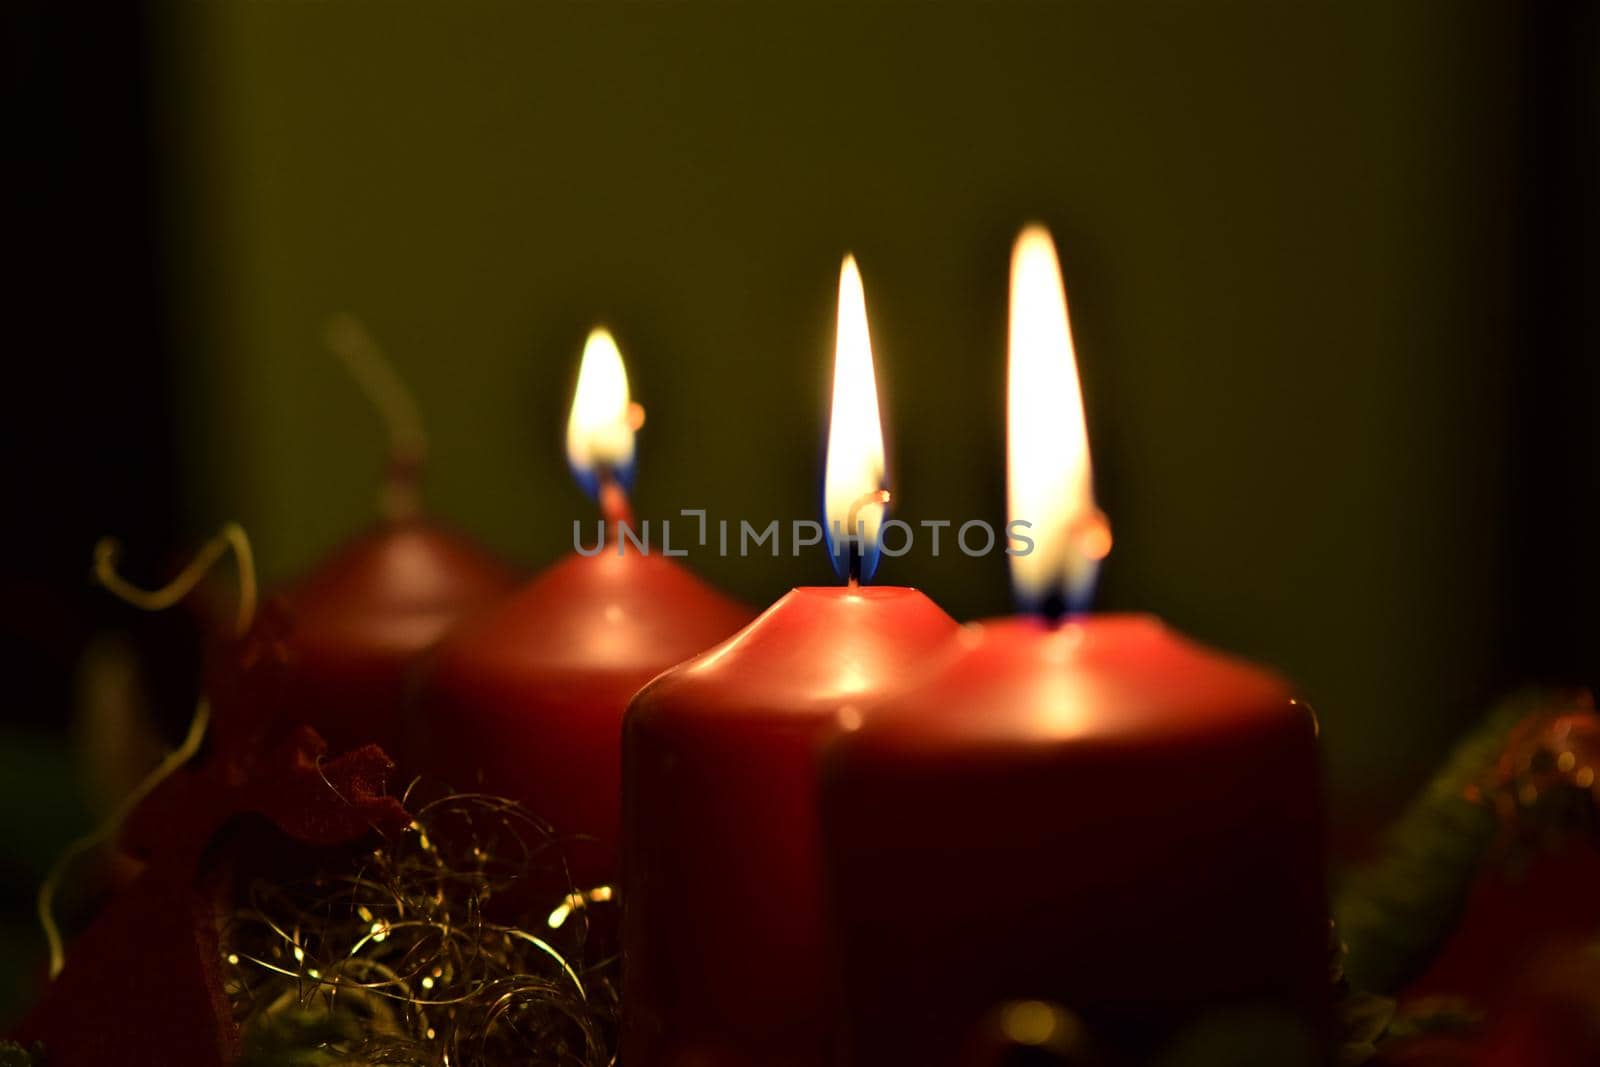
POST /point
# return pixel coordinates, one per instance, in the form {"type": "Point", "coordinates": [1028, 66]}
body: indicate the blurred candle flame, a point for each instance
{"type": "Point", "coordinates": [1050, 481]}
{"type": "Point", "coordinates": [600, 428]}
{"type": "Point", "coordinates": [854, 500]}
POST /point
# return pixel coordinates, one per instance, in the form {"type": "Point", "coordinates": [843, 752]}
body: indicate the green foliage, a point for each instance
{"type": "Point", "coordinates": [1395, 912]}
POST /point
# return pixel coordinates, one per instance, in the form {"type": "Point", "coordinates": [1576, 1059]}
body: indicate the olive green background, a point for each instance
{"type": "Point", "coordinates": [1284, 229]}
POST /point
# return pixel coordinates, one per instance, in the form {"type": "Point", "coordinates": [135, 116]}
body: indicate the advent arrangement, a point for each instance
{"type": "Point", "coordinates": [433, 812]}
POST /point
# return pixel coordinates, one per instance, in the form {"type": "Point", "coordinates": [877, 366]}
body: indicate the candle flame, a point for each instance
{"type": "Point", "coordinates": [601, 427]}
{"type": "Point", "coordinates": [854, 499]}
{"type": "Point", "coordinates": [1051, 483]}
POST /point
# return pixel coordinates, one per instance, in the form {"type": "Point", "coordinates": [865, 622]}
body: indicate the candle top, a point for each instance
{"type": "Point", "coordinates": [1103, 678]}
{"type": "Point", "coordinates": [393, 589]}
{"type": "Point", "coordinates": [816, 647]}
{"type": "Point", "coordinates": [637, 613]}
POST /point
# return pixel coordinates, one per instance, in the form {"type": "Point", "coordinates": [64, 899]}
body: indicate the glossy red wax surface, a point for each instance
{"type": "Point", "coordinates": [334, 648]}
{"type": "Point", "coordinates": [526, 700]}
{"type": "Point", "coordinates": [722, 928]}
{"type": "Point", "coordinates": [1104, 815]}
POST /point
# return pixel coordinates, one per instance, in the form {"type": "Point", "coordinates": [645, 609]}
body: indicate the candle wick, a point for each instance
{"type": "Point", "coordinates": [877, 496]}
{"type": "Point", "coordinates": [615, 508]}
{"type": "Point", "coordinates": [401, 495]}
{"type": "Point", "coordinates": [348, 338]}
{"type": "Point", "coordinates": [853, 542]}
{"type": "Point", "coordinates": [1053, 608]}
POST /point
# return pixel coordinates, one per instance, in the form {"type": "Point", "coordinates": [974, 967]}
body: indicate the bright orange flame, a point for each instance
{"type": "Point", "coordinates": [855, 467]}
{"type": "Point", "coordinates": [601, 426]}
{"type": "Point", "coordinates": [1051, 484]}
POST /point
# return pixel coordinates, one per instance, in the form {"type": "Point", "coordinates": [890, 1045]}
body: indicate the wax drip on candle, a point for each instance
{"type": "Point", "coordinates": [348, 338]}
{"type": "Point", "coordinates": [106, 552]}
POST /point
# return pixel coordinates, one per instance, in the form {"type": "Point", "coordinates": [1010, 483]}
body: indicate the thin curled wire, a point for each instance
{"type": "Point", "coordinates": [107, 553]}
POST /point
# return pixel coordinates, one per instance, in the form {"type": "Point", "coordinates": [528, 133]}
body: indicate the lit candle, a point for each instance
{"type": "Point", "coordinates": [333, 649]}
{"type": "Point", "coordinates": [526, 700]}
{"type": "Point", "coordinates": [722, 930]}
{"type": "Point", "coordinates": [1089, 811]}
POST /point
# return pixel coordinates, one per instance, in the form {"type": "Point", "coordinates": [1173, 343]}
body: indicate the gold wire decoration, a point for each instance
{"type": "Point", "coordinates": [108, 551]}
{"type": "Point", "coordinates": [405, 956]}
{"type": "Point", "coordinates": [230, 536]}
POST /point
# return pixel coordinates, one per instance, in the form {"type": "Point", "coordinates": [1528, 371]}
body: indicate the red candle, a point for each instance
{"type": "Point", "coordinates": [1098, 813]}
{"type": "Point", "coordinates": [1094, 813]}
{"type": "Point", "coordinates": [526, 701]}
{"type": "Point", "coordinates": [334, 648]}
{"type": "Point", "coordinates": [722, 925]}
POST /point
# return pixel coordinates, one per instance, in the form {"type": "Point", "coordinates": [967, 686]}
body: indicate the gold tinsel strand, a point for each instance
{"type": "Point", "coordinates": [404, 959]}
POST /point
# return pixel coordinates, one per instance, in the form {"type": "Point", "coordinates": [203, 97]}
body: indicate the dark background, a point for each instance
{"type": "Point", "coordinates": [1329, 267]}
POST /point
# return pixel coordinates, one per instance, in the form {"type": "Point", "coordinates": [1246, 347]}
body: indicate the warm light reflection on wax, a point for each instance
{"type": "Point", "coordinates": [1050, 481]}
{"type": "Point", "coordinates": [1065, 697]}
